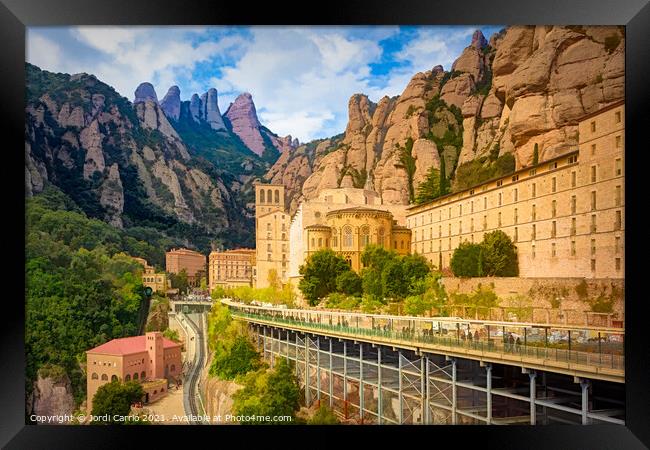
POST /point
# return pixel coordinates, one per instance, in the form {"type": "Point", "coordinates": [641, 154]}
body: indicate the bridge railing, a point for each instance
{"type": "Point", "coordinates": [505, 339]}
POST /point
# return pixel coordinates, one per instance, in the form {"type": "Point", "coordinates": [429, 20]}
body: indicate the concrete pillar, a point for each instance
{"type": "Point", "coordinates": [584, 387]}
{"type": "Point", "coordinates": [488, 369]}
{"type": "Point", "coordinates": [533, 411]}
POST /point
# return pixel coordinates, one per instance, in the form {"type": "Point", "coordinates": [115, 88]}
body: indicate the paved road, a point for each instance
{"type": "Point", "coordinates": [192, 378]}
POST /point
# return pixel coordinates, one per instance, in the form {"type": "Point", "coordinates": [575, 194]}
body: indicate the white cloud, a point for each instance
{"type": "Point", "coordinates": [42, 52]}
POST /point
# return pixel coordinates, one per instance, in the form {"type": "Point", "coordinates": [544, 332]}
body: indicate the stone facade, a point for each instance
{"type": "Point", "coordinates": [271, 235]}
{"type": "Point", "coordinates": [231, 268]}
{"type": "Point", "coordinates": [565, 215]}
{"type": "Point", "coordinates": [140, 358]}
{"type": "Point", "coordinates": [193, 262]}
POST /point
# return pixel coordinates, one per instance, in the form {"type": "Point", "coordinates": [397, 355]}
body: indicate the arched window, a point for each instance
{"type": "Point", "coordinates": [127, 377]}
{"type": "Point", "coordinates": [155, 392]}
{"type": "Point", "coordinates": [95, 376]}
{"type": "Point", "coordinates": [380, 236]}
{"type": "Point", "coordinates": [347, 236]}
{"type": "Point", "coordinates": [135, 376]}
{"type": "Point", "coordinates": [335, 239]}
{"type": "Point", "coordinates": [104, 377]}
{"type": "Point", "coordinates": [365, 236]}
{"type": "Point", "coordinates": [261, 195]}
{"type": "Point", "coordinates": [114, 378]}
{"type": "Point", "coordinates": [162, 389]}
{"type": "Point", "coordinates": [143, 375]}
{"type": "Point", "coordinates": [269, 196]}
{"type": "Point", "coordinates": [277, 196]}
{"type": "Point", "coordinates": [348, 260]}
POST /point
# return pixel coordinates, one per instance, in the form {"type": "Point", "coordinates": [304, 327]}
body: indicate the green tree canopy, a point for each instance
{"type": "Point", "coordinates": [466, 260]}
{"type": "Point", "coordinates": [324, 416]}
{"type": "Point", "coordinates": [349, 283]}
{"type": "Point", "coordinates": [179, 281]}
{"type": "Point", "coordinates": [319, 275]}
{"type": "Point", "coordinates": [115, 399]}
{"type": "Point", "coordinates": [429, 189]}
{"type": "Point", "coordinates": [499, 255]}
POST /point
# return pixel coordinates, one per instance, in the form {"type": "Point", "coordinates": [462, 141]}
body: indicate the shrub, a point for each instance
{"type": "Point", "coordinates": [466, 260]}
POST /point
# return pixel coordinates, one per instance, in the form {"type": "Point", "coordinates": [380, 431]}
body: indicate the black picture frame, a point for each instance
{"type": "Point", "coordinates": [15, 15]}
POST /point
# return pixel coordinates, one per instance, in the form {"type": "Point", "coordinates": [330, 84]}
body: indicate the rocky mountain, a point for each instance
{"type": "Point", "coordinates": [242, 118]}
{"type": "Point", "coordinates": [127, 164]}
{"type": "Point", "coordinates": [526, 86]}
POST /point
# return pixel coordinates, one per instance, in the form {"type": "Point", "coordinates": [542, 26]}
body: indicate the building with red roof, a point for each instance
{"type": "Point", "coordinates": [151, 359]}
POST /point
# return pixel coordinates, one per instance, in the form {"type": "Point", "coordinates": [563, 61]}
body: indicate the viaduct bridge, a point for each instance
{"type": "Point", "coordinates": [431, 370]}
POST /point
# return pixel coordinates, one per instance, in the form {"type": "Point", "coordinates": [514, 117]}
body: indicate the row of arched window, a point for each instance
{"type": "Point", "coordinates": [268, 196]}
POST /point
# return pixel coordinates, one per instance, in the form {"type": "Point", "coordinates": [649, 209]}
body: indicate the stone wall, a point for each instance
{"type": "Point", "coordinates": [598, 301]}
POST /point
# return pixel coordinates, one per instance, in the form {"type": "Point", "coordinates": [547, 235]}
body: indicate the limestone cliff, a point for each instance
{"type": "Point", "coordinates": [527, 85]}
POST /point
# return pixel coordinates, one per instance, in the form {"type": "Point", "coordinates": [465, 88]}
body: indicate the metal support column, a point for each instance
{"type": "Point", "coordinates": [427, 418]}
{"type": "Point", "coordinates": [453, 392]}
{"type": "Point", "coordinates": [264, 354]}
{"type": "Point", "coordinates": [331, 377]}
{"type": "Point", "coordinates": [318, 369]}
{"type": "Point", "coordinates": [488, 369]}
{"type": "Point", "coordinates": [360, 380]}
{"type": "Point", "coordinates": [533, 410]}
{"type": "Point", "coordinates": [307, 395]}
{"type": "Point", "coordinates": [345, 373]}
{"type": "Point", "coordinates": [296, 354]}
{"type": "Point", "coordinates": [584, 387]}
{"type": "Point", "coordinates": [422, 387]}
{"type": "Point", "coordinates": [379, 407]}
{"type": "Point", "coordinates": [399, 389]}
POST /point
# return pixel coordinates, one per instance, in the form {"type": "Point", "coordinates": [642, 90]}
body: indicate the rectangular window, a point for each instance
{"type": "Point", "coordinates": [471, 225]}
{"type": "Point", "coordinates": [532, 172]}
{"type": "Point", "coordinates": [449, 243]}
{"type": "Point", "coordinates": [460, 227]}
{"type": "Point", "coordinates": [619, 167]}
{"type": "Point", "coordinates": [617, 116]}
{"type": "Point", "coordinates": [515, 178]}
{"type": "Point", "coordinates": [593, 265]}
{"type": "Point", "coordinates": [484, 222]}
{"type": "Point", "coordinates": [449, 212]}
{"type": "Point", "coordinates": [553, 249]}
{"type": "Point", "coordinates": [533, 234]}
{"type": "Point", "coordinates": [553, 228]}
{"type": "Point", "coordinates": [499, 219]}
{"type": "Point", "coordinates": [618, 263]}
{"type": "Point", "coordinates": [532, 251]}
{"type": "Point", "coordinates": [553, 184]}
{"type": "Point", "coordinates": [573, 248]}
{"type": "Point", "coordinates": [619, 221]}
{"type": "Point", "coordinates": [573, 179]}
{"type": "Point", "coordinates": [618, 196]}
{"type": "Point", "coordinates": [320, 243]}
{"type": "Point", "coordinates": [484, 202]}
{"type": "Point", "coordinates": [618, 142]}
{"type": "Point", "coordinates": [414, 240]}
{"type": "Point", "coordinates": [516, 218]}
{"type": "Point", "coordinates": [439, 230]}
{"type": "Point", "coordinates": [500, 196]}
{"type": "Point", "coordinates": [553, 208]}
{"type": "Point", "coordinates": [573, 226]}
{"type": "Point", "coordinates": [573, 204]}
{"type": "Point", "coordinates": [572, 159]}
{"type": "Point", "coordinates": [516, 237]}
{"type": "Point", "coordinates": [552, 166]}
{"type": "Point", "coordinates": [617, 245]}
{"type": "Point", "coordinates": [593, 126]}
{"type": "Point", "coordinates": [593, 247]}
{"type": "Point", "coordinates": [593, 223]}
{"type": "Point", "coordinates": [533, 189]}
{"type": "Point", "coordinates": [593, 149]}
{"type": "Point", "coordinates": [593, 174]}
{"type": "Point", "coordinates": [449, 230]}
{"type": "Point", "coordinates": [515, 195]}
{"type": "Point", "coordinates": [499, 183]}
{"type": "Point", "coordinates": [472, 206]}
{"type": "Point", "coordinates": [593, 200]}
{"type": "Point", "coordinates": [533, 213]}
{"type": "Point", "coordinates": [268, 246]}
{"type": "Point", "coordinates": [460, 210]}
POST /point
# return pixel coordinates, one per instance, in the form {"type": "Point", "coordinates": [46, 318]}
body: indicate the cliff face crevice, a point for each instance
{"type": "Point", "coordinates": [527, 85]}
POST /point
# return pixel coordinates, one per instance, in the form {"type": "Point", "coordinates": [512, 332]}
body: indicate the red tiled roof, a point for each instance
{"type": "Point", "coordinates": [128, 346]}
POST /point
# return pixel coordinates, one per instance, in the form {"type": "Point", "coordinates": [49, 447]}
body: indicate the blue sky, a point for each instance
{"type": "Point", "coordinates": [301, 78]}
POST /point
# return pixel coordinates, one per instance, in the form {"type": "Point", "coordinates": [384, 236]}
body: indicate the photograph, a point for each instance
{"type": "Point", "coordinates": [325, 225]}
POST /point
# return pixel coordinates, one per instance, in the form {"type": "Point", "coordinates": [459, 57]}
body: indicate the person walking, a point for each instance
{"type": "Point", "coordinates": [511, 341]}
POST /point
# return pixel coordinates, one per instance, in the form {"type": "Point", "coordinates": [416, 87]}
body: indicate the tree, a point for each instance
{"type": "Point", "coordinates": [218, 293]}
{"type": "Point", "coordinates": [417, 305]}
{"type": "Point", "coordinates": [536, 154]}
{"type": "Point", "coordinates": [171, 334]}
{"type": "Point", "coordinates": [349, 283]}
{"type": "Point", "coordinates": [324, 416]}
{"type": "Point", "coordinates": [415, 268]}
{"type": "Point", "coordinates": [234, 358]}
{"type": "Point", "coordinates": [376, 256]}
{"type": "Point", "coordinates": [443, 177]}
{"type": "Point", "coordinates": [499, 255]}
{"type": "Point", "coordinates": [371, 283]}
{"type": "Point", "coordinates": [268, 393]}
{"type": "Point", "coordinates": [179, 281]}
{"type": "Point", "coordinates": [274, 279]}
{"type": "Point", "coordinates": [466, 260]}
{"type": "Point", "coordinates": [393, 282]}
{"type": "Point", "coordinates": [429, 189]}
{"type": "Point", "coordinates": [319, 275]}
{"type": "Point", "coordinates": [115, 399]}
{"type": "Point", "coordinates": [204, 284]}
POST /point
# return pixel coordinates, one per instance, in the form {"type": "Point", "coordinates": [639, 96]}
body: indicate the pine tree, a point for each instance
{"type": "Point", "coordinates": [443, 176]}
{"type": "Point", "coordinates": [536, 154]}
